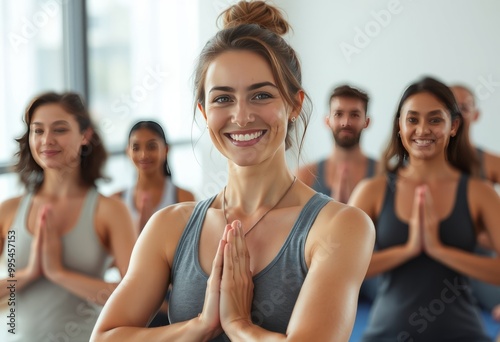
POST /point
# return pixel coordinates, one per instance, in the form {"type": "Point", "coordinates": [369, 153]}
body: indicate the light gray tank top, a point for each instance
{"type": "Point", "coordinates": [169, 197]}
{"type": "Point", "coordinates": [45, 311]}
{"type": "Point", "coordinates": [276, 287]}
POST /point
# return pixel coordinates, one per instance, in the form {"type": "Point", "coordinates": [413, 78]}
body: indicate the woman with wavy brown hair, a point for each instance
{"type": "Point", "coordinates": [57, 238]}
{"type": "Point", "coordinates": [267, 258]}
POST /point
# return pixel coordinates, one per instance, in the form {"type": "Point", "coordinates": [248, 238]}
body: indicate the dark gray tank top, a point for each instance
{"type": "Point", "coordinates": [423, 299]}
{"type": "Point", "coordinates": [276, 287]}
{"type": "Point", "coordinates": [319, 184]}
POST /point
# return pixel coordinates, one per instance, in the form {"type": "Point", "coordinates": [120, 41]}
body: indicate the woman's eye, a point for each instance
{"type": "Point", "coordinates": [222, 99]}
{"type": "Point", "coordinates": [38, 131]}
{"type": "Point", "coordinates": [262, 96]}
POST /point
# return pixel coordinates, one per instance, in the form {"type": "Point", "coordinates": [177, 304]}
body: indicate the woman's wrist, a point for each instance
{"type": "Point", "coordinates": [198, 327]}
{"type": "Point", "coordinates": [237, 328]}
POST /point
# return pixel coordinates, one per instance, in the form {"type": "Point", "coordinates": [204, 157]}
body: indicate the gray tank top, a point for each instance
{"type": "Point", "coordinates": [319, 184]}
{"type": "Point", "coordinates": [276, 287]}
{"type": "Point", "coordinates": [169, 197]}
{"type": "Point", "coordinates": [46, 311]}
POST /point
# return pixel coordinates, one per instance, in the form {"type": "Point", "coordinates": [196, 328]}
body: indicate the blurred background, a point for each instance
{"type": "Point", "coordinates": [134, 60]}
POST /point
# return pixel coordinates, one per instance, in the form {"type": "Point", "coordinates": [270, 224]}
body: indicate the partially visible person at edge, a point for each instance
{"type": "Point", "coordinates": [257, 261]}
{"type": "Point", "coordinates": [58, 236]}
{"type": "Point", "coordinates": [487, 295]}
{"type": "Point", "coordinates": [148, 149]}
{"type": "Point", "coordinates": [337, 175]}
{"type": "Point", "coordinates": [428, 211]}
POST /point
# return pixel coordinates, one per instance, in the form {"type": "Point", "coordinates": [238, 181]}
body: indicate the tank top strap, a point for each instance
{"type": "Point", "coordinates": [461, 202]}
{"type": "Point", "coordinates": [370, 168]}
{"type": "Point", "coordinates": [89, 206]}
{"type": "Point", "coordinates": [302, 226]}
{"type": "Point", "coordinates": [19, 221]}
{"type": "Point", "coordinates": [189, 240]}
{"type": "Point", "coordinates": [309, 213]}
{"type": "Point", "coordinates": [169, 194]}
{"type": "Point", "coordinates": [321, 171]}
{"type": "Point", "coordinates": [319, 181]}
{"type": "Point", "coordinates": [390, 192]}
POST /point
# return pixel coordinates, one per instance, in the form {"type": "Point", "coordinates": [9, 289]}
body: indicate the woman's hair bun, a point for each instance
{"type": "Point", "coordinates": [255, 12]}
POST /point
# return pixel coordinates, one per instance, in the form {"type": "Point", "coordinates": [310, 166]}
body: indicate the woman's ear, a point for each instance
{"type": "Point", "coordinates": [455, 124]}
{"type": "Point", "coordinates": [202, 110]}
{"type": "Point", "coordinates": [87, 136]}
{"type": "Point", "coordinates": [300, 99]}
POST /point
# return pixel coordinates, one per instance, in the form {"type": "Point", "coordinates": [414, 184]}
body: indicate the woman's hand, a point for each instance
{"type": "Point", "coordinates": [210, 316]}
{"type": "Point", "coordinates": [145, 209]}
{"type": "Point", "coordinates": [51, 247]}
{"type": "Point", "coordinates": [237, 284]}
{"type": "Point", "coordinates": [428, 221]}
{"type": "Point", "coordinates": [415, 243]}
{"type": "Point", "coordinates": [34, 267]}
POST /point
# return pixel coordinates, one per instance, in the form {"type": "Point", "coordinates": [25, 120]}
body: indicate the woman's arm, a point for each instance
{"type": "Point", "coordinates": [114, 227]}
{"type": "Point", "coordinates": [368, 196]}
{"type": "Point", "coordinates": [136, 300]}
{"type": "Point", "coordinates": [484, 204]}
{"type": "Point", "coordinates": [339, 247]}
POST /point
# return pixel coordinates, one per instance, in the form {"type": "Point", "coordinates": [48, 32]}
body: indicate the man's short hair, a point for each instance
{"type": "Point", "coordinates": [351, 92]}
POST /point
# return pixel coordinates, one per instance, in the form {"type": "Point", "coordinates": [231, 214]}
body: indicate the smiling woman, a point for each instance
{"type": "Point", "coordinates": [250, 263]}
{"type": "Point", "coordinates": [60, 234]}
{"type": "Point", "coordinates": [429, 210]}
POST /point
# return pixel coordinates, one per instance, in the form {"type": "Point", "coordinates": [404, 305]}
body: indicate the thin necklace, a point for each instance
{"type": "Point", "coordinates": [267, 212]}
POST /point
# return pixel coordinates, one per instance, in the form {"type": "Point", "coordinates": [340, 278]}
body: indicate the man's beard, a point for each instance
{"type": "Point", "coordinates": [347, 142]}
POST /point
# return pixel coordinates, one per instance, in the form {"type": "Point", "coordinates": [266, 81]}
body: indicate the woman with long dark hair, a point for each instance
{"type": "Point", "coordinates": [429, 209]}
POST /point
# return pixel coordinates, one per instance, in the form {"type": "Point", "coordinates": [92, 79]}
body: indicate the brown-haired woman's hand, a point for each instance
{"type": "Point", "coordinates": [210, 315]}
{"type": "Point", "coordinates": [237, 283]}
{"type": "Point", "coordinates": [51, 247]}
{"type": "Point", "coordinates": [34, 267]}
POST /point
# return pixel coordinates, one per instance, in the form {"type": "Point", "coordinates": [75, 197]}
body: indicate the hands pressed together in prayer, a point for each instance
{"type": "Point", "coordinates": [423, 235]}
{"type": "Point", "coordinates": [46, 249]}
{"type": "Point", "coordinates": [229, 294]}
